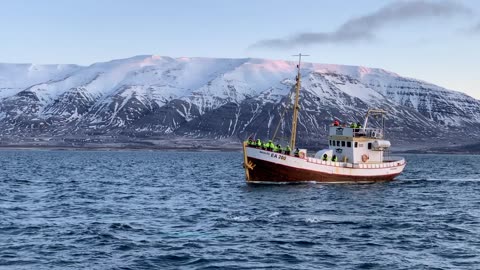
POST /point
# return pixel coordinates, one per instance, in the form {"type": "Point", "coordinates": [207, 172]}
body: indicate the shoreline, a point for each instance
{"type": "Point", "coordinates": [118, 148]}
{"type": "Point", "coordinates": [191, 149]}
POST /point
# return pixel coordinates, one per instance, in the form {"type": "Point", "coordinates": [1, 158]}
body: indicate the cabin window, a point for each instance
{"type": "Point", "coordinates": [369, 145]}
{"type": "Point", "coordinates": [343, 143]}
{"type": "Point", "coordinates": [338, 143]}
{"type": "Point", "coordinates": [349, 144]}
{"type": "Point", "coordinates": [356, 144]}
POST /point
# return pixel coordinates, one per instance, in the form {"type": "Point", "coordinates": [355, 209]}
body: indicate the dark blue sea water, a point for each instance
{"type": "Point", "coordinates": [170, 210]}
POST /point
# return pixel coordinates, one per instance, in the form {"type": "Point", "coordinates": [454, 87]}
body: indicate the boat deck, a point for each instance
{"type": "Point", "coordinates": [368, 165]}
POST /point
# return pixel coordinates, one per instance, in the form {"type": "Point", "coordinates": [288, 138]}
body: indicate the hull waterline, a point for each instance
{"type": "Point", "coordinates": [267, 172]}
{"type": "Point", "coordinates": [268, 167]}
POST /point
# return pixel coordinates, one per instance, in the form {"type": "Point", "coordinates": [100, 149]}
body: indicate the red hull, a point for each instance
{"type": "Point", "coordinates": [265, 171]}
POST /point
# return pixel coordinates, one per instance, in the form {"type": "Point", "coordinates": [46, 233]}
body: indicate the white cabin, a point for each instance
{"type": "Point", "coordinates": [355, 145]}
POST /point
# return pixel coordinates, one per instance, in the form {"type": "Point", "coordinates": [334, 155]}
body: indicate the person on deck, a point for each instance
{"type": "Point", "coordinates": [250, 142]}
{"type": "Point", "coordinates": [336, 123]}
{"type": "Point", "coordinates": [287, 150]}
{"type": "Point", "coordinates": [334, 158]}
{"type": "Point", "coordinates": [270, 145]}
{"type": "Point", "coordinates": [360, 131]}
{"type": "Point", "coordinates": [279, 148]}
{"type": "Point", "coordinates": [296, 153]}
{"type": "Point", "coordinates": [325, 157]}
{"type": "Point", "coordinates": [259, 143]}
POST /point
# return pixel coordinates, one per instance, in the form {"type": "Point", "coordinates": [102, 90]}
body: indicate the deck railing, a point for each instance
{"type": "Point", "coordinates": [376, 133]}
{"type": "Point", "coordinates": [385, 164]}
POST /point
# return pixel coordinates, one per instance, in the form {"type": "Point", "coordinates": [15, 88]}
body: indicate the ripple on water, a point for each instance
{"type": "Point", "coordinates": [168, 210]}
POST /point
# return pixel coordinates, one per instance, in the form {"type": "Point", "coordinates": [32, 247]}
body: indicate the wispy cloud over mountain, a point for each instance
{"type": "Point", "coordinates": [365, 27]}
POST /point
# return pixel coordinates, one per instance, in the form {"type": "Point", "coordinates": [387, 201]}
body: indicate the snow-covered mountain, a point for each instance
{"type": "Point", "coordinates": [163, 97]}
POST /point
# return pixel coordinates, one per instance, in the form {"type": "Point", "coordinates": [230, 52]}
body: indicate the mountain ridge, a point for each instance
{"type": "Point", "coordinates": [161, 97]}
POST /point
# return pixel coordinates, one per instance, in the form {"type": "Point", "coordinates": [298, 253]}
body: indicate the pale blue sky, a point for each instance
{"type": "Point", "coordinates": [440, 49]}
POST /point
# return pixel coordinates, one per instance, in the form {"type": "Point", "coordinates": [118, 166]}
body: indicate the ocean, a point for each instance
{"type": "Point", "coordinates": [193, 210]}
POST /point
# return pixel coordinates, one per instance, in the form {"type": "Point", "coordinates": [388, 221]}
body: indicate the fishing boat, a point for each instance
{"type": "Point", "coordinates": [355, 153]}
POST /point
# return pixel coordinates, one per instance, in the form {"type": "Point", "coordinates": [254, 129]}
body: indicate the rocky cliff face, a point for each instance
{"type": "Point", "coordinates": [148, 97]}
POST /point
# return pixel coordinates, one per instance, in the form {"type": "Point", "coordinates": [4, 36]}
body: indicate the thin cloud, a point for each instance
{"type": "Point", "coordinates": [365, 27]}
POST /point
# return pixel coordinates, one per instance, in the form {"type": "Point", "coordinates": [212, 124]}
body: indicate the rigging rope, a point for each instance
{"type": "Point", "coordinates": [282, 115]}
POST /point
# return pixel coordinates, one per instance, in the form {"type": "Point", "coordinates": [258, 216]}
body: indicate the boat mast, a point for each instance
{"type": "Point", "coordinates": [296, 107]}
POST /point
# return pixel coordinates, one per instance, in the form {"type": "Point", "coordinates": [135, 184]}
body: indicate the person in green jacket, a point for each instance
{"type": "Point", "coordinates": [278, 148]}
{"type": "Point", "coordinates": [334, 158]}
{"type": "Point", "coordinates": [259, 143]}
{"type": "Point", "coordinates": [270, 145]}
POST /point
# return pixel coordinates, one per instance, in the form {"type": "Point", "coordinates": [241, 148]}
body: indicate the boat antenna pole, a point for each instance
{"type": "Point", "coordinates": [296, 107]}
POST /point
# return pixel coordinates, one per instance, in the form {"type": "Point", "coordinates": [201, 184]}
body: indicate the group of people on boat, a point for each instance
{"type": "Point", "coordinates": [357, 127]}
{"type": "Point", "coordinates": [337, 123]}
{"type": "Point", "coordinates": [334, 158]}
{"type": "Point", "coordinates": [270, 146]}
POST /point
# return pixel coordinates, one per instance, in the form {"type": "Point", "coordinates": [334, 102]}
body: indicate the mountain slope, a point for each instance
{"type": "Point", "coordinates": [163, 97]}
